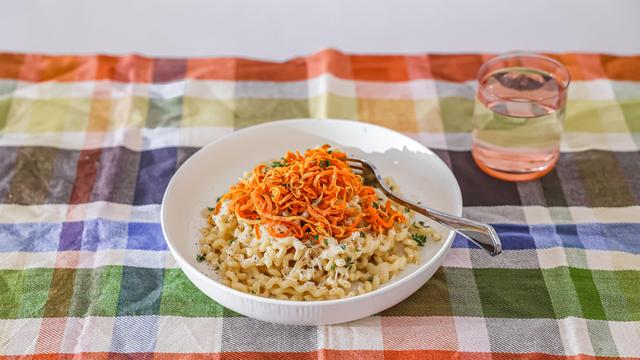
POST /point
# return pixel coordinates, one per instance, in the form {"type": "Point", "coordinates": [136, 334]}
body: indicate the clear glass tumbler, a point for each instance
{"type": "Point", "coordinates": [518, 115]}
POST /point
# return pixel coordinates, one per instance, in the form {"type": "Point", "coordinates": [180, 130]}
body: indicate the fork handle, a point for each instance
{"type": "Point", "coordinates": [483, 235]}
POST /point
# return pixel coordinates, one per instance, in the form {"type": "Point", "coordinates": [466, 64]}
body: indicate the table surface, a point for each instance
{"type": "Point", "coordinates": [286, 28]}
{"type": "Point", "coordinates": [88, 145]}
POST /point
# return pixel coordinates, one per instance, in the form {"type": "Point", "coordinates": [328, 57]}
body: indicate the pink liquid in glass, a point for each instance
{"type": "Point", "coordinates": [518, 122]}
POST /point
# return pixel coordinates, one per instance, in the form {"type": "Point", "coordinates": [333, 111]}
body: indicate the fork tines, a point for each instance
{"type": "Point", "coordinates": [354, 164]}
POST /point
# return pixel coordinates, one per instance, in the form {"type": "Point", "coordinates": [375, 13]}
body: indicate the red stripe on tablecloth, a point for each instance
{"type": "Point", "coordinates": [86, 173]}
{"type": "Point", "coordinates": [388, 68]}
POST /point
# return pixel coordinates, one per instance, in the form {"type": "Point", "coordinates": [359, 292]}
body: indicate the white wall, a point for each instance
{"type": "Point", "coordinates": [281, 29]}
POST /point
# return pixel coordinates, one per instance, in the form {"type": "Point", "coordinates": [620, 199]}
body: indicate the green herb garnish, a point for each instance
{"type": "Point", "coordinates": [361, 233]}
{"type": "Point", "coordinates": [325, 163]}
{"type": "Point", "coordinates": [375, 205]}
{"type": "Point", "coordinates": [343, 246]}
{"type": "Point", "coordinates": [279, 163]}
{"type": "Point", "coordinates": [200, 258]}
{"type": "Point", "coordinates": [420, 239]}
{"type": "Point", "coordinates": [370, 279]}
{"type": "Point", "coordinates": [326, 242]}
{"type": "Point", "coordinates": [329, 151]}
{"type": "Point", "coordinates": [349, 262]}
{"type": "Point", "coordinates": [333, 266]}
{"type": "Point", "coordinates": [210, 208]}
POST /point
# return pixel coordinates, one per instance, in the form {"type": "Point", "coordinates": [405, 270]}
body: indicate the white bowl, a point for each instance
{"type": "Point", "coordinates": [421, 175]}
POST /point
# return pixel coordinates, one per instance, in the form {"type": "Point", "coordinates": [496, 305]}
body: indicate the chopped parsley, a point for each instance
{"type": "Point", "coordinates": [422, 223]}
{"type": "Point", "coordinates": [315, 237]}
{"type": "Point", "coordinates": [326, 242]}
{"type": "Point", "coordinates": [325, 163]}
{"type": "Point", "coordinates": [200, 258]}
{"type": "Point", "coordinates": [361, 233]}
{"type": "Point", "coordinates": [370, 279]}
{"type": "Point", "coordinates": [333, 266]}
{"type": "Point", "coordinates": [343, 246]}
{"type": "Point", "coordinates": [375, 205]}
{"type": "Point", "coordinates": [210, 208]}
{"type": "Point", "coordinates": [420, 239]}
{"type": "Point", "coordinates": [279, 163]}
{"type": "Point", "coordinates": [407, 210]}
{"type": "Point", "coordinates": [329, 151]}
{"type": "Point", "coordinates": [218, 199]}
{"type": "Point", "coordinates": [348, 262]}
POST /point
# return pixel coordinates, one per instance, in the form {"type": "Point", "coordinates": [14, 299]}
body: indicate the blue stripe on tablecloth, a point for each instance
{"type": "Point", "coordinates": [593, 236]}
{"type": "Point", "coordinates": [102, 234]}
{"type": "Point", "coordinates": [93, 235]}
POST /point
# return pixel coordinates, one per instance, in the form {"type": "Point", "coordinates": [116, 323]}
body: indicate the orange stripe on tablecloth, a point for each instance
{"type": "Point", "coordinates": [132, 68]}
{"type": "Point", "coordinates": [211, 69]}
{"type": "Point", "coordinates": [10, 65]}
{"type": "Point", "coordinates": [388, 68]}
{"type": "Point", "coordinates": [621, 68]}
{"type": "Point", "coordinates": [39, 68]}
{"type": "Point", "coordinates": [329, 61]}
{"type": "Point", "coordinates": [245, 355]}
{"type": "Point", "coordinates": [444, 354]}
{"type": "Point", "coordinates": [458, 68]}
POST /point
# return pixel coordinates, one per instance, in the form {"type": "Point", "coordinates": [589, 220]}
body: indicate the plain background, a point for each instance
{"type": "Point", "coordinates": [286, 28]}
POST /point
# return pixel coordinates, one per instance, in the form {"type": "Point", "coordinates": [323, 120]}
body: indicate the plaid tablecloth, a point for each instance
{"type": "Point", "coordinates": [88, 144]}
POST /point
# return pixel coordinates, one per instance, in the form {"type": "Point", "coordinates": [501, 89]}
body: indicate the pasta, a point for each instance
{"type": "Point", "coordinates": [306, 228]}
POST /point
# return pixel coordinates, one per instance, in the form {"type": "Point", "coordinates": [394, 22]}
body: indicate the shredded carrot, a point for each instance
{"type": "Point", "coordinates": [310, 197]}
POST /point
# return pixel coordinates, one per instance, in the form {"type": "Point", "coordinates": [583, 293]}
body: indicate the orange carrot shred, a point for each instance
{"type": "Point", "coordinates": [309, 196]}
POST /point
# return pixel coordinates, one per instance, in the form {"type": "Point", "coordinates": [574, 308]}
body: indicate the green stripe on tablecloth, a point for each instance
{"type": "Point", "coordinates": [513, 293]}
{"type": "Point", "coordinates": [60, 292]}
{"type": "Point", "coordinates": [72, 114]}
{"type": "Point", "coordinates": [96, 292]}
{"type": "Point", "coordinates": [246, 112]}
{"type": "Point", "coordinates": [603, 180]}
{"type": "Point", "coordinates": [181, 298]}
{"type": "Point", "coordinates": [164, 112]}
{"type": "Point", "coordinates": [23, 293]}
{"type": "Point", "coordinates": [586, 293]}
{"type": "Point", "coordinates": [430, 300]}
{"type": "Point", "coordinates": [456, 114]}
{"type": "Point", "coordinates": [619, 293]}
{"type": "Point", "coordinates": [502, 293]}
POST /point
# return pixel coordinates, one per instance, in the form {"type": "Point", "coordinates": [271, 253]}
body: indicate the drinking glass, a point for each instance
{"type": "Point", "coordinates": [518, 115]}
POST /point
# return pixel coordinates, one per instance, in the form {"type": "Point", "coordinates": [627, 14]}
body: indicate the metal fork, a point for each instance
{"type": "Point", "coordinates": [478, 233]}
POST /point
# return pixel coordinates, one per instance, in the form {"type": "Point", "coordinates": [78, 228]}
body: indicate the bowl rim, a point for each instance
{"type": "Point", "coordinates": [308, 303]}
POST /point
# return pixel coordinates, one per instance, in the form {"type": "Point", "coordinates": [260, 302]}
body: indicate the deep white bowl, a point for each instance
{"type": "Point", "coordinates": [422, 176]}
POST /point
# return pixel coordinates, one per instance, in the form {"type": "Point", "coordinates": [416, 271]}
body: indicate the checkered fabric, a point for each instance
{"type": "Point", "coordinates": [89, 143]}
